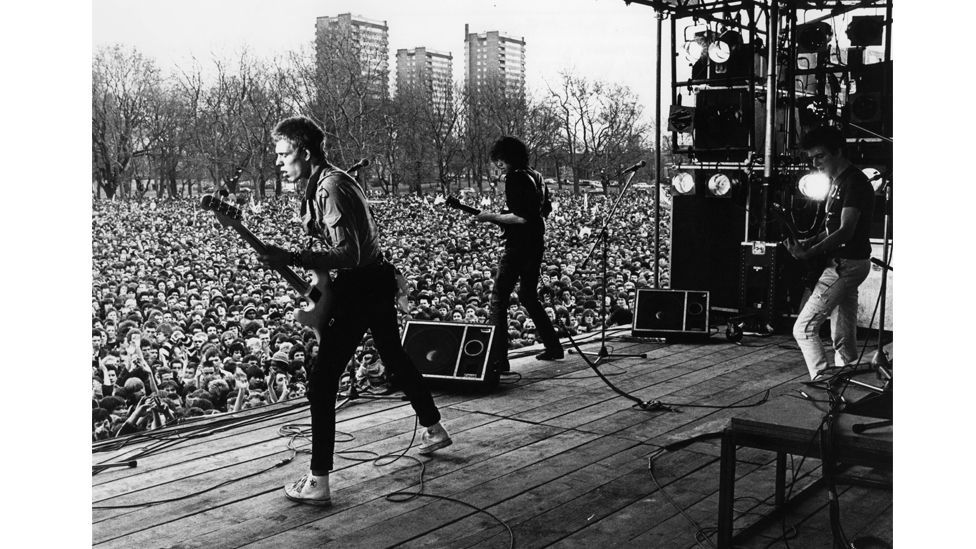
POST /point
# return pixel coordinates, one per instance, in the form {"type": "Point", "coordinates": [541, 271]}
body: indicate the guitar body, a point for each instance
{"type": "Point", "coordinates": [810, 269]}
{"type": "Point", "coordinates": [317, 313]}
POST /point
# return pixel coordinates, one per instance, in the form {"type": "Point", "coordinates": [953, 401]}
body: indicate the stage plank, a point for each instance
{"type": "Point", "coordinates": [557, 455]}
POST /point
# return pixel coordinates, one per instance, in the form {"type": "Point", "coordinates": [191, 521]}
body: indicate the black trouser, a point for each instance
{"type": "Point", "coordinates": [519, 264]}
{"type": "Point", "coordinates": [365, 298]}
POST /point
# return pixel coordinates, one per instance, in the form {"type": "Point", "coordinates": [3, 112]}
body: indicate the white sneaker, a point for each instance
{"type": "Point", "coordinates": [310, 489]}
{"type": "Point", "coordinates": [434, 438]}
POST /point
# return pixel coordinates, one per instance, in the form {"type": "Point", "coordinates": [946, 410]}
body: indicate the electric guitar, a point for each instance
{"type": "Point", "coordinates": [318, 293]}
{"type": "Point", "coordinates": [453, 202]}
{"type": "Point", "coordinates": [811, 268]}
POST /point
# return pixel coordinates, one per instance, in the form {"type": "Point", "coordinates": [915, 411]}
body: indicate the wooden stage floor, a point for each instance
{"type": "Point", "coordinates": [557, 455]}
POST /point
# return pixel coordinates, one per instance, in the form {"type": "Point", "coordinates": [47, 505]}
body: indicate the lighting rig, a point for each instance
{"type": "Point", "coordinates": [748, 78]}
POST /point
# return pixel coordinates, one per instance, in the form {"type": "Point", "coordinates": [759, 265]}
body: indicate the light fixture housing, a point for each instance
{"type": "Point", "coordinates": [866, 30]}
{"type": "Point", "coordinates": [721, 185]}
{"type": "Point", "coordinates": [683, 183]}
{"type": "Point", "coordinates": [813, 38]}
{"type": "Point", "coordinates": [720, 49]}
{"type": "Point", "coordinates": [814, 185]}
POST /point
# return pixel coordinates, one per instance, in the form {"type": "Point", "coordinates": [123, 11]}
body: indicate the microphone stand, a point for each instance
{"type": "Point", "coordinates": [603, 354]}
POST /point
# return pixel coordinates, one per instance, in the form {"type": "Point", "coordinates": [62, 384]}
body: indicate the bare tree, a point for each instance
{"type": "Point", "coordinates": [124, 85]}
{"type": "Point", "coordinates": [601, 125]}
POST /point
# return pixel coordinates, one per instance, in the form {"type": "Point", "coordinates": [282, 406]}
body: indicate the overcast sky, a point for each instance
{"type": "Point", "coordinates": [599, 39]}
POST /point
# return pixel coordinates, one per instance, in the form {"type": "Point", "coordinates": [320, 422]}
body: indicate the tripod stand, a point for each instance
{"type": "Point", "coordinates": [879, 402]}
{"type": "Point", "coordinates": [603, 354]}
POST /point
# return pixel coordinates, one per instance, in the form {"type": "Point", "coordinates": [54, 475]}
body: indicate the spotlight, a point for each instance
{"type": "Point", "coordinates": [683, 183]}
{"type": "Point", "coordinates": [720, 50]}
{"type": "Point", "coordinates": [874, 177]}
{"type": "Point", "coordinates": [866, 30]}
{"type": "Point", "coordinates": [695, 47]}
{"type": "Point", "coordinates": [694, 50]}
{"type": "Point", "coordinates": [814, 185]}
{"type": "Point", "coordinates": [813, 38]}
{"type": "Point", "coordinates": [721, 184]}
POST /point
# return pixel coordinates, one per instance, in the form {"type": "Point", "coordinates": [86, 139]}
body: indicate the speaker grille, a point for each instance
{"type": "Point", "coordinates": [671, 312]}
{"type": "Point", "coordinates": [449, 350]}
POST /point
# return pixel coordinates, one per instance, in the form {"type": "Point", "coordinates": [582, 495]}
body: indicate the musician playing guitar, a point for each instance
{"type": "Point", "coordinates": [845, 243]}
{"type": "Point", "coordinates": [524, 233]}
{"type": "Point", "coordinates": [335, 212]}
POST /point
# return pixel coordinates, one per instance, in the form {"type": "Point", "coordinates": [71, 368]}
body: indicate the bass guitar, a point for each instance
{"type": "Point", "coordinates": [318, 293]}
{"type": "Point", "coordinates": [810, 269]}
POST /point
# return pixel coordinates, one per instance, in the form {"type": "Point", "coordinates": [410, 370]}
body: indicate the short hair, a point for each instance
{"type": "Point", "coordinates": [828, 137]}
{"type": "Point", "coordinates": [302, 133]}
{"type": "Point", "coordinates": [100, 414]}
{"type": "Point", "coordinates": [111, 403]}
{"type": "Point", "coordinates": [512, 150]}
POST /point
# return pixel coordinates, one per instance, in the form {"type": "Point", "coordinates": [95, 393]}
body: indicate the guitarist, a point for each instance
{"type": "Point", "coordinates": [527, 201]}
{"type": "Point", "coordinates": [335, 212]}
{"type": "Point", "coordinates": [845, 244]}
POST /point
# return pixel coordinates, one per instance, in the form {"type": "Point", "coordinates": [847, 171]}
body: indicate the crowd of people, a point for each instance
{"type": "Point", "coordinates": [186, 322]}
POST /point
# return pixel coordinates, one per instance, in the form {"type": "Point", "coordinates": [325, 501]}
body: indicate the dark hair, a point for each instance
{"type": "Point", "coordinates": [512, 150]}
{"type": "Point", "coordinates": [302, 133]}
{"type": "Point", "coordinates": [99, 414]}
{"type": "Point", "coordinates": [111, 403]}
{"type": "Point", "coordinates": [828, 137]}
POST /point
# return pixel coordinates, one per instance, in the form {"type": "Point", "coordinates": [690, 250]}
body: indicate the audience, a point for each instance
{"type": "Point", "coordinates": [186, 322]}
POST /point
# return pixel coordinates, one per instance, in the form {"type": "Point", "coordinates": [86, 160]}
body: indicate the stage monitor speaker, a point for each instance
{"type": "Point", "coordinates": [670, 313]}
{"type": "Point", "coordinates": [449, 350]}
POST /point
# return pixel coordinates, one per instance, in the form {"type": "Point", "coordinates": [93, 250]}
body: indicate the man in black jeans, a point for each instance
{"type": "Point", "coordinates": [336, 212]}
{"type": "Point", "coordinates": [527, 203]}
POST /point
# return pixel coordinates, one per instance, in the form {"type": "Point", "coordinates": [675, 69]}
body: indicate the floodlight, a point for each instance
{"type": "Point", "coordinates": [814, 185]}
{"type": "Point", "coordinates": [721, 184]}
{"type": "Point", "coordinates": [720, 50]}
{"type": "Point", "coordinates": [683, 183]}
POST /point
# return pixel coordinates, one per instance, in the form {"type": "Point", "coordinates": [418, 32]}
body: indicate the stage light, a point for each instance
{"type": "Point", "coordinates": [683, 183]}
{"type": "Point", "coordinates": [694, 50]}
{"type": "Point", "coordinates": [814, 185]}
{"type": "Point", "coordinates": [695, 46]}
{"type": "Point", "coordinates": [720, 50]}
{"type": "Point", "coordinates": [814, 37]}
{"type": "Point", "coordinates": [866, 30]}
{"type": "Point", "coordinates": [721, 185]}
{"type": "Point", "coordinates": [874, 177]}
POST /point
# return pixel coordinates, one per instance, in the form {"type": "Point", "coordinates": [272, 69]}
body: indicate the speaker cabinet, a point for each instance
{"type": "Point", "coordinates": [449, 350]}
{"type": "Point", "coordinates": [668, 313]}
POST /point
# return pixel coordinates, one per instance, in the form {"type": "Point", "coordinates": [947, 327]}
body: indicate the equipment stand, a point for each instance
{"type": "Point", "coordinates": [603, 354]}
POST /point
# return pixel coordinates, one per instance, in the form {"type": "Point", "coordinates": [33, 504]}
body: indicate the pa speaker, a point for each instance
{"type": "Point", "coordinates": [669, 313]}
{"type": "Point", "coordinates": [449, 350]}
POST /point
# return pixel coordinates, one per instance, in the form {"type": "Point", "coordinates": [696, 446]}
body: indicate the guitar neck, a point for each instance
{"type": "Point", "coordinates": [297, 283]}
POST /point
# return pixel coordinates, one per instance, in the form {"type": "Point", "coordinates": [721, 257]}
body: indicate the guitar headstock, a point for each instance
{"type": "Point", "coordinates": [452, 201]}
{"type": "Point", "coordinates": [226, 213]}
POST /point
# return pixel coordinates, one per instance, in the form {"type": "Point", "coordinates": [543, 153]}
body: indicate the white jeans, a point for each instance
{"type": "Point", "coordinates": [834, 297]}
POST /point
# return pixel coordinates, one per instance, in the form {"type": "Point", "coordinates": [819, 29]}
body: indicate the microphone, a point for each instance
{"type": "Point", "coordinates": [363, 162]}
{"type": "Point", "coordinates": [633, 168]}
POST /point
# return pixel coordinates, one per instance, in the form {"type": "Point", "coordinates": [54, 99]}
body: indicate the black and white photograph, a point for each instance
{"type": "Point", "coordinates": [490, 273]}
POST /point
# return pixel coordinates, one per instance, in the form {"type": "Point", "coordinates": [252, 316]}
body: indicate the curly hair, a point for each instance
{"type": "Point", "coordinates": [511, 150]}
